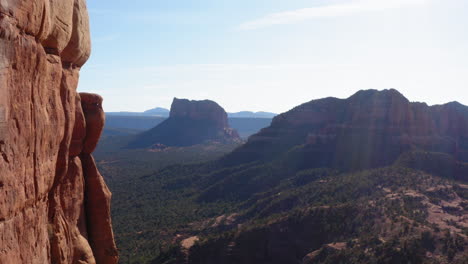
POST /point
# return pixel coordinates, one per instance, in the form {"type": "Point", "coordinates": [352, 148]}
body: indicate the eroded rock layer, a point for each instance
{"type": "Point", "coordinates": [367, 130]}
{"type": "Point", "coordinates": [189, 123]}
{"type": "Point", "coordinates": [199, 110]}
{"type": "Point", "coordinates": [52, 200]}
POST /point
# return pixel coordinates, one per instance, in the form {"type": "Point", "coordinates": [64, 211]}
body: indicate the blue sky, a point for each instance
{"type": "Point", "coordinates": [271, 55]}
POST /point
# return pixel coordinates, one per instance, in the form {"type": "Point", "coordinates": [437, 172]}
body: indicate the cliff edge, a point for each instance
{"type": "Point", "coordinates": [54, 204]}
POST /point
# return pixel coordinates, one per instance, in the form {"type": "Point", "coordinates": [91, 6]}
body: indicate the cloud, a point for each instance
{"type": "Point", "coordinates": [351, 7]}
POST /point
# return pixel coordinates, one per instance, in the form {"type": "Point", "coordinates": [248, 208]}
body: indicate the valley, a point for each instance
{"type": "Point", "coordinates": [233, 132]}
{"type": "Point", "coordinates": [369, 179]}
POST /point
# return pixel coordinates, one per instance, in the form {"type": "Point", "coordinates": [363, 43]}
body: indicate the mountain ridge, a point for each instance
{"type": "Point", "coordinates": [164, 112]}
{"type": "Point", "coordinates": [361, 180]}
{"type": "Point", "coordinates": [386, 115]}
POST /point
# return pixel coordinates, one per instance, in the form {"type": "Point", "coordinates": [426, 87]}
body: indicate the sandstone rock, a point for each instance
{"type": "Point", "coordinates": [58, 25]}
{"type": "Point", "coordinates": [79, 130]}
{"type": "Point", "coordinates": [95, 118]}
{"type": "Point", "coordinates": [370, 129]}
{"type": "Point", "coordinates": [43, 215]}
{"type": "Point", "coordinates": [199, 110]}
{"type": "Point", "coordinates": [69, 227]}
{"type": "Point", "coordinates": [189, 123]}
{"type": "Point", "coordinates": [78, 49]}
{"type": "Point", "coordinates": [98, 213]}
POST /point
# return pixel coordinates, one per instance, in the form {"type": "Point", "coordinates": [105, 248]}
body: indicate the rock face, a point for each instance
{"type": "Point", "coordinates": [369, 129]}
{"type": "Point", "coordinates": [189, 123]}
{"type": "Point", "coordinates": [199, 110]}
{"type": "Point", "coordinates": [54, 205]}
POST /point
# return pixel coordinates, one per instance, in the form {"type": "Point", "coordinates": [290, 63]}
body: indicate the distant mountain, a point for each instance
{"type": "Point", "coordinates": [124, 114]}
{"type": "Point", "coordinates": [127, 125]}
{"type": "Point", "coordinates": [158, 111]}
{"type": "Point", "coordinates": [163, 112]}
{"type": "Point", "coordinates": [136, 123]}
{"type": "Point", "coordinates": [249, 114]}
{"type": "Point", "coordinates": [248, 126]}
{"type": "Point", "coordinates": [189, 123]}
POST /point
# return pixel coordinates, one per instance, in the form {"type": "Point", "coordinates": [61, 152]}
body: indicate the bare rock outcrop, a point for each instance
{"type": "Point", "coordinates": [49, 187]}
{"type": "Point", "coordinates": [189, 123]}
{"type": "Point", "coordinates": [199, 110]}
{"type": "Point", "coordinates": [92, 109]}
{"type": "Point", "coordinates": [367, 130]}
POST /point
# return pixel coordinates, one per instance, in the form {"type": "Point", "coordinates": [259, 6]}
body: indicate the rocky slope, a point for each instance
{"type": "Point", "coordinates": [369, 129]}
{"type": "Point", "coordinates": [54, 204]}
{"type": "Point", "coordinates": [189, 123]}
{"type": "Point", "coordinates": [372, 178]}
{"type": "Point", "coordinates": [390, 215]}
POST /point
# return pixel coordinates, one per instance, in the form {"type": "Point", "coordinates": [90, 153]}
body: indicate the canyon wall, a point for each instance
{"type": "Point", "coordinates": [54, 204]}
{"type": "Point", "coordinates": [199, 110]}
{"type": "Point", "coordinates": [367, 130]}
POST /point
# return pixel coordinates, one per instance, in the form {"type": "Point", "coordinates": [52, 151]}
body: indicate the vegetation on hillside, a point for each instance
{"type": "Point", "coordinates": [235, 208]}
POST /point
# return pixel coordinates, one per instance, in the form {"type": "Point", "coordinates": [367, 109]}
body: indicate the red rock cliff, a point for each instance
{"type": "Point", "coordinates": [200, 110]}
{"type": "Point", "coordinates": [54, 204]}
{"type": "Point", "coordinates": [190, 123]}
{"type": "Point", "coordinates": [367, 130]}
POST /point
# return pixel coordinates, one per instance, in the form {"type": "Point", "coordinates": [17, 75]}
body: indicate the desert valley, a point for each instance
{"type": "Point", "coordinates": [263, 157]}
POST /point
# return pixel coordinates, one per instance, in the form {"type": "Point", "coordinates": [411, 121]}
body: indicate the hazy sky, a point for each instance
{"type": "Point", "coordinates": [271, 55]}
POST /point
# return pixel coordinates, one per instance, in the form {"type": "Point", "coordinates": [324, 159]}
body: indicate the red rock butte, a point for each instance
{"type": "Point", "coordinates": [199, 110]}
{"type": "Point", "coordinates": [54, 204]}
{"type": "Point", "coordinates": [189, 123]}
